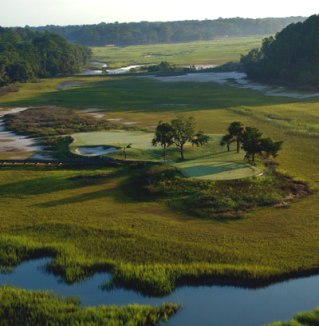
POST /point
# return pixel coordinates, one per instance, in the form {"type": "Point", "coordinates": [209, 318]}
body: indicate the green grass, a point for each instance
{"type": "Point", "coordinates": [92, 221]}
{"type": "Point", "coordinates": [216, 52]}
{"type": "Point", "coordinates": [21, 307]}
{"type": "Point", "coordinates": [307, 318]}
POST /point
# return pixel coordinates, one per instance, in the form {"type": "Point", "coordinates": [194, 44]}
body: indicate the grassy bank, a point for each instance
{"type": "Point", "coordinates": [20, 307]}
{"type": "Point", "coordinates": [220, 199]}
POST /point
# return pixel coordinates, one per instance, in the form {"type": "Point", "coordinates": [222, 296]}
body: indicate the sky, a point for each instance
{"type": "Point", "coordinates": [71, 12]}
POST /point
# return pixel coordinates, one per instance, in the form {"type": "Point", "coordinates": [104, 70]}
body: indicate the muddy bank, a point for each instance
{"type": "Point", "coordinates": [13, 146]}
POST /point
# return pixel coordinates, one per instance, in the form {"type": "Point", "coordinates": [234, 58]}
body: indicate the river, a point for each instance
{"type": "Point", "coordinates": [201, 305]}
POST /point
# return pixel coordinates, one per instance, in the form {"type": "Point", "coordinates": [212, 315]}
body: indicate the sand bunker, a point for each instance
{"type": "Point", "coordinates": [95, 150]}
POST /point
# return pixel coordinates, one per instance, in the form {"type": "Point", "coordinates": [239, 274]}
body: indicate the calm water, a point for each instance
{"type": "Point", "coordinates": [95, 150]}
{"type": "Point", "coordinates": [203, 305]}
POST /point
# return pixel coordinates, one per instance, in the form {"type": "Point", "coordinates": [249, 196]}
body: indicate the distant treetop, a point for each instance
{"type": "Point", "coordinates": [123, 34]}
{"type": "Point", "coordinates": [291, 57]}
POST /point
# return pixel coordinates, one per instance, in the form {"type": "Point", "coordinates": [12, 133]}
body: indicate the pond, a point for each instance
{"type": "Point", "coordinates": [95, 150]}
{"type": "Point", "coordinates": [201, 305]}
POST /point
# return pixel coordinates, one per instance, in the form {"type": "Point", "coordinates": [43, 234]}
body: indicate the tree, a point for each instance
{"type": "Point", "coordinates": [183, 132]}
{"type": "Point", "coordinates": [251, 140]}
{"type": "Point", "coordinates": [270, 148]}
{"type": "Point", "coordinates": [164, 136]}
{"type": "Point", "coordinates": [236, 130]}
{"type": "Point", "coordinates": [200, 139]}
{"type": "Point", "coordinates": [227, 140]}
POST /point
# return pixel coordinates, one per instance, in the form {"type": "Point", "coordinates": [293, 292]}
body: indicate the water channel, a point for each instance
{"type": "Point", "coordinates": [19, 146]}
{"type": "Point", "coordinates": [201, 305]}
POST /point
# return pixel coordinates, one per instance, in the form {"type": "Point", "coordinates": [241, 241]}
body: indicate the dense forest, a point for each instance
{"type": "Point", "coordinates": [291, 57]}
{"type": "Point", "coordinates": [26, 54]}
{"type": "Point", "coordinates": [123, 34]}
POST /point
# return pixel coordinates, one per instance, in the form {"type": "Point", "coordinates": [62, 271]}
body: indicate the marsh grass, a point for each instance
{"type": "Point", "coordinates": [217, 51]}
{"type": "Point", "coordinates": [218, 199]}
{"type": "Point", "coordinates": [21, 307]}
{"type": "Point", "coordinates": [307, 318]}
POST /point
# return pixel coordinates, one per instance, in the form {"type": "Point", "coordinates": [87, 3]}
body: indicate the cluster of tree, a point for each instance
{"type": "Point", "coordinates": [168, 32]}
{"type": "Point", "coordinates": [179, 132]}
{"type": "Point", "coordinates": [291, 57]}
{"type": "Point", "coordinates": [251, 141]}
{"type": "Point", "coordinates": [26, 54]}
{"type": "Point", "coordinates": [162, 67]}
{"type": "Point", "coordinates": [166, 68]}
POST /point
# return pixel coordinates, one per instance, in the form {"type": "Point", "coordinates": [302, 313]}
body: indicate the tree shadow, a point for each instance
{"type": "Point", "coordinates": [51, 184]}
{"type": "Point", "coordinates": [77, 199]}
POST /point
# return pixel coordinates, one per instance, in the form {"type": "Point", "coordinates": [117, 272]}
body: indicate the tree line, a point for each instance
{"type": "Point", "coordinates": [26, 54]}
{"type": "Point", "coordinates": [123, 34]}
{"type": "Point", "coordinates": [182, 130]}
{"type": "Point", "coordinates": [291, 57]}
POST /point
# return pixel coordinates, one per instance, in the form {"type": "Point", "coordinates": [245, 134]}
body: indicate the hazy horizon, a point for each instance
{"type": "Point", "coordinates": [82, 12]}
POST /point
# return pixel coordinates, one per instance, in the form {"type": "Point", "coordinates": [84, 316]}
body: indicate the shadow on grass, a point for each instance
{"type": "Point", "coordinates": [117, 192]}
{"type": "Point", "coordinates": [93, 195]}
{"type": "Point", "coordinates": [53, 184]}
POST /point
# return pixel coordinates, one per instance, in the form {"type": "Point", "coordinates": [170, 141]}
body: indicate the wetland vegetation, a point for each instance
{"type": "Point", "coordinates": [142, 223]}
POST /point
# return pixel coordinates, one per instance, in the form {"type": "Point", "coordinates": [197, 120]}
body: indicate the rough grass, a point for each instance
{"type": "Point", "coordinates": [215, 52]}
{"type": "Point", "coordinates": [21, 307]}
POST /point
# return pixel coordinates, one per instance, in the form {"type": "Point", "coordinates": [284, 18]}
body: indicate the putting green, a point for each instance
{"type": "Point", "coordinates": [222, 166]}
{"type": "Point", "coordinates": [117, 138]}
{"type": "Point", "coordinates": [210, 170]}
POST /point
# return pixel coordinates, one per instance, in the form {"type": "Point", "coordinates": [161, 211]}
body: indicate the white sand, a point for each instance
{"type": "Point", "coordinates": [236, 79]}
